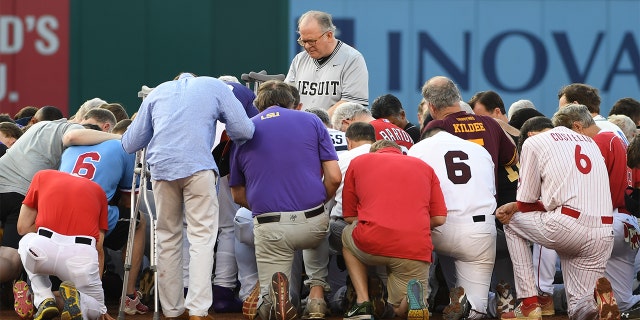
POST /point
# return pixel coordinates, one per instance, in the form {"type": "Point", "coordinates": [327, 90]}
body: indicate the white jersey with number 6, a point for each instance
{"type": "Point", "coordinates": [468, 239]}
{"type": "Point", "coordinates": [466, 173]}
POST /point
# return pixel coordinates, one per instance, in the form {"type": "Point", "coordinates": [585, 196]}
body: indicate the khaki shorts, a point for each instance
{"type": "Point", "coordinates": [400, 271]}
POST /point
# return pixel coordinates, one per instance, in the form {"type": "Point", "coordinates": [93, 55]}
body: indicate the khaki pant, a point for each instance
{"type": "Point", "coordinates": [400, 271]}
{"type": "Point", "coordinates": [195, 198]}
{"type": "Point", "coordinates": [276, 243]}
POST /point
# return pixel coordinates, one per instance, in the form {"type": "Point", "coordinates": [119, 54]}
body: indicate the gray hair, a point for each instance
{"type": "Point", "coordinates": [86, 106]}
{"type": "Point", "coordinates": [228, 78]}
{"type": "Point", "coordinates": [324, 20]}
{"type": "Point", "coordinates": [625, 124]}
{"type": "Point", "coordinates": [347, 111]}
{"type": "Point", "coordinates": [520, 104]}
{"type": "Point", "coordinates": [441, 92]}
{"type": "Point", "coordinates": [566, 116]}
{"type": "Point", "coordinates": [322, 114]}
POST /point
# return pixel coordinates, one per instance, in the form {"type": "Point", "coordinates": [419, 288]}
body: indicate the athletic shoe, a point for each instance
{"type": "Point", "coordinates": [284, 310]}
{"type": "Point", "coordinates": [71, 300]}
{"type": "Point", "coordinates": [633, 313]}
{"type": "Point", "coordinates": [458, 307]}
{"type": "Point", "coordinates": [607, 305]}
{"type": "Point", "coordinates": [530, 312]}
{"type": "Point", "coordinates": [546, 304]}
{"type": "Point", "coordinates": [506, 302]}
{"type": "Point", "coordinates": [146, 286]}
{"type": "Point", "coordinates": [363, 311]}
{"type": "Point", "coordinates": [250, 304]}
{"type": "Point", "coordinates": [23, 300]}
{"type": "Point", "coordinates": [133, 306]}
{"type": "Point", "coordinates": [415, 299]}
{"type": "Point", "coordinates": [376, 291]}
{"type": "Point", "coordinates": [316, 308]}
{"type": "Point", "coordinates": [47, 310]}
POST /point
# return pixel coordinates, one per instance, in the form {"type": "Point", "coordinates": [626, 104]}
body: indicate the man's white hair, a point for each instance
{"type": "Point", "coordinates": [347, 111]}
{"type": "Point", "coordinates": [86, 106]}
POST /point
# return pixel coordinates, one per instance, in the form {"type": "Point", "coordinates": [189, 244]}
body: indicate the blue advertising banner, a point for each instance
{"type": "Point", "coordinates": [520, 49]}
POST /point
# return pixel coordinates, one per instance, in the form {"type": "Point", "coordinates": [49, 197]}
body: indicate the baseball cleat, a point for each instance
{"type": "Point", "coordinates": [284, 310]}
{"type": "Point", "coordinates": [47, 310]}
{"type": "Point", "coordinates": [250, 304]}
{"type": "Point", "coordinates": [607, 305]}
{"type": "Point", "coordinates": [546, 304]}
{"type": "Point", "coordinates": [71, 300]}
{"type": "Point", "coordinates": [23, 300]}
{"type": "Point", "coordinates": [506, 302]}
{"type": "Point", "coordinates": [458, 307]}
{"type": "Point", "coordinates": [529, 312]}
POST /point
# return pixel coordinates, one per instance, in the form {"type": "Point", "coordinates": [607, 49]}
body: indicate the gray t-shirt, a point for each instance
{"type": "Point", "coordinates": [342, 76]}
{"type": "Point", "coordinates": [38, 148]}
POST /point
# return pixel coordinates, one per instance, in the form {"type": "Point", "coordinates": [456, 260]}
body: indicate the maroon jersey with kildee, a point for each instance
{"type": "Point", "coordinates": [482, 130]}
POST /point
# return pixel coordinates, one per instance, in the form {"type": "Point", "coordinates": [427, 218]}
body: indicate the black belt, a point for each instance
{"type": "Point", "coordinates": [48, 234]}
{"type": "Point", "coordinates": [276, 217]}
{"type": "Point", "coordinates": [478, 218]}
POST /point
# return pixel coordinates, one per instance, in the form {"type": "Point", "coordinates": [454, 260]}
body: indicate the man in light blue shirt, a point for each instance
{"type": "Point", "coordinates": [176, 124]}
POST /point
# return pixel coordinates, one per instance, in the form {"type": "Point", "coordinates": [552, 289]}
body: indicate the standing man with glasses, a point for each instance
{"type": "Point", "coordinates": [328, 72]}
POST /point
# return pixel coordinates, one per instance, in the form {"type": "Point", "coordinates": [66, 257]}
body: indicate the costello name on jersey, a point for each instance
{"type": "Point", "coordinates": [322, 88]}
{"type": "Point", "coordinates": [569, 137]}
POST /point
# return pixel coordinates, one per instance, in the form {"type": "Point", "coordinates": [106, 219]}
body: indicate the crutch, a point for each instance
{"type": "Point", "coordinates": [256, 78]}
{"type": "Point", "coordinates": [140, 178]}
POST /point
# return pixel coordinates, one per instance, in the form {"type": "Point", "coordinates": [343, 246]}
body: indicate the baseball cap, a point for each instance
{"type": "Point", "coordinates": [519, 117]}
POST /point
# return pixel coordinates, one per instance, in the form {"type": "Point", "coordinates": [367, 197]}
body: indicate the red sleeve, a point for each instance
{"type": "Point", "coordinates": [528, 207]}
{"type": "Point", "coordinates": [31, 199]}
{"type": "Point", "coordinates": [103, 223]}
{"type": "Point", "coordinates": [349, 197]}
{"type": "Point", "coordinates": [437, 206]}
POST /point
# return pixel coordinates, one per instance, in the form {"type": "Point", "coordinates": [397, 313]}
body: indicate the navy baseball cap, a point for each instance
{"type": "Point", "coordinates": [245, 96]}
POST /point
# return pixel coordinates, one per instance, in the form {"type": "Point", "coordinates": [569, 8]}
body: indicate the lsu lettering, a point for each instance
{"type": "Point", "coordinates": [270, 115]}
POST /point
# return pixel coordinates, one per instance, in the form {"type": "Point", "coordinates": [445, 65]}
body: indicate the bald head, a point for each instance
{"type": "Point", "coordinates": [442, 96]}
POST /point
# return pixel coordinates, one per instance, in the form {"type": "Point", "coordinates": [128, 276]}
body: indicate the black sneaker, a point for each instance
{"type": "Point", "coordinates": [363, 311]}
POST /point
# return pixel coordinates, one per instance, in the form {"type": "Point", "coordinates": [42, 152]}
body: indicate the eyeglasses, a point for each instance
{"type": "Point", "coordinates": [310, 42]}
